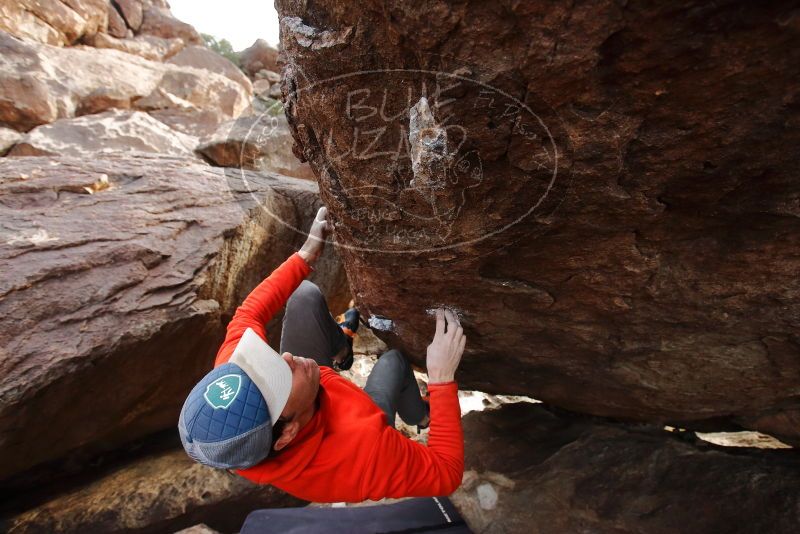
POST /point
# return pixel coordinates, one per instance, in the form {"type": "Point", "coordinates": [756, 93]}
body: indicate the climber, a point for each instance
{"type": "Point", "coordinates": [293, 422]}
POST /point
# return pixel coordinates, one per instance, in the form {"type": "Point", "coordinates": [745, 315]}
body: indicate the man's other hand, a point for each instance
{"type": "Point", "coordinates": [444, 352]}
{"type": "Point", "coordinates": [320, 229]}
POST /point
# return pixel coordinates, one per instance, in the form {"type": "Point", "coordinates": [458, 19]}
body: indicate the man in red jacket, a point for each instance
{"type": "Point", "coordinates": [287, 421]}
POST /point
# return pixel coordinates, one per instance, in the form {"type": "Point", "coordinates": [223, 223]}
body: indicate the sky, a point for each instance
{"type": "Point", "coordinates": [239, 21]}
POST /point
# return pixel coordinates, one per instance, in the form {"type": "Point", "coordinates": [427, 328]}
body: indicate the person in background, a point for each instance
{"type": "Point", "coordinates": [293, 422]}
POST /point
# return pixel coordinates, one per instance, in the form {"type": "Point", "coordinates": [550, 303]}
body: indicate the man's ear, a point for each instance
{"type": "Point", "coordinates": [290, 430]}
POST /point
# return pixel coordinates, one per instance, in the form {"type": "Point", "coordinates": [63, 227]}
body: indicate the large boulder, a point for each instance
{"type": "Point", "coordinates": [195, 122]}
{"type": "Point", "coordinates": [112, 132]}
{"type": "Point", "coordinates": [8, 138]}
{"type": "Point", "coordinates": [55, 22]}
{"type": "Point", "coordinates": [116, 24]}
{"type": "Point", "coordinates": [159, 21]}
{"type": "Point", "coordinates": [530, 470]}
{"type": "Point", "coordinates": [120, 274]}
{"type": "Point", "coordinates": [260, 56]}
{"type": "Point", "coordinates": [132, 11]}
{"type": "Point", "coordinates": [204, 58]}
{"type": "Point", "coordinates": [146, 46]}
{"type": "Point", "coordinates": [158, 493]}
{"type": "Point", "coordinates": [602, 191]}
{"type": "Point", "coordinates": [255, 142]}
{"type": "Point", "coordinates": [40, 83]}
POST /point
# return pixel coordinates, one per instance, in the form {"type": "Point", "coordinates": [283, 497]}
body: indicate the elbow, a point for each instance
{"type": "Point", "coordinates": [454, 478]}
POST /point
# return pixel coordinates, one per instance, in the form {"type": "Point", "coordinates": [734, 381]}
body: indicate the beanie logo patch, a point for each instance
{"type": "Point", "coordinates": [223, 391]}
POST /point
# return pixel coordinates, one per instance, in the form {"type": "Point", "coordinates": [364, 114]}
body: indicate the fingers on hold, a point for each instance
{"type": "Point", "coordinates": [440, 324]}
{"type": "Point", "coordinates": [451, 319]}
{"type": "Point", "coordinates": [459, 332]}
{"type": "Point", "coordinates": [462, 343]}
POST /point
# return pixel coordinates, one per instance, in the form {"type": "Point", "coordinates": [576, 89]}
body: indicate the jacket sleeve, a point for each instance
{"type": "Point", "coordinates": [262, 303]}
{"type": "Point", "coordinates": [404, 468]}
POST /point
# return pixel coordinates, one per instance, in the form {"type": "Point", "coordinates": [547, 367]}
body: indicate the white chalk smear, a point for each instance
{"type": "Point", "coordinates": [376, 322]}
{"type": "Point", "coordinates": [38, 237]}
{"type": "Point", "coordinates": [457, 312]}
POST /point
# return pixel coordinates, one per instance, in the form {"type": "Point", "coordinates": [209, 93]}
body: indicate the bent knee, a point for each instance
{"type": "Point", "coordinates": [307, 293]}
{"type": "Point", "coordinates": [393, 357]}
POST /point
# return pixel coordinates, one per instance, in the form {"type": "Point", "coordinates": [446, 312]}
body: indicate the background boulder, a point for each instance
{"type": "Point", "coordinates": [260, 56]}
{"type": "Point", "coordinates": [159, 21]}
{"type": "Point", "coordinates": [120, 274]}
{"type": "Point", "coordinates": [255, 142]}
{"type": "Point", "coordinates": [113, 132]}
{"type": "Point", "coordinates": [41, 83]}
{"type": "Point", "coordinates": [202, 58]}
{"type": "Point", "coordinates": [8, 138]}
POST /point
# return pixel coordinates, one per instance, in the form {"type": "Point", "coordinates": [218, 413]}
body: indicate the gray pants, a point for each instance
{"type": "Point", "coordinates": [310, 331]}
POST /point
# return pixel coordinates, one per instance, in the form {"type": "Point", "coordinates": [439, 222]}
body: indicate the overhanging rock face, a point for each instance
{"type": "Point", "coordinates": [608, 194]}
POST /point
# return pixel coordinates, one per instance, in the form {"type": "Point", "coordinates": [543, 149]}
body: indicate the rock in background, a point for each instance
{"type": "Point", "coordinates": [124, 255]}
{"type": "Point", "coordinates": [617, 223]}
{"type": "Point", "coordinates": [255, 142]}
{"type": "Point", "coordinates": [260, 56]}
{"type": "Point", "coordinates": [120, 274]}
{"type": "Point", "coordinates": [113, 131]}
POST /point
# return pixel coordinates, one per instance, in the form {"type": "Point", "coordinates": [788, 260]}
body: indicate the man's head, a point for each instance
{"type": "Point", "coordinates": [227, 421]}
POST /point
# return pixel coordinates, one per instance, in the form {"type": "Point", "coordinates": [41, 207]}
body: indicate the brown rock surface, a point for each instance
{"type": "Point", "coordinates": [195, 88]}
{"type": "Point", "coordinates": [112, 132]}
{"type": "Point", "coordinates": [261, 88]}
{"type": "Point", "coordinates": [116, 24]}
{"type": "Point", "coordinates": [260, 56]}
{"type": "Point", "coordinates": [530, 471]}
{"type": "Point", "coordinates": [161, 493]}
{"type": "Point", "coordinates": [194, 122]}
{"type": "Point", "coordinates": [8, 138]}
{"type": "Point", "coordinates": [55, 22]}
{"type": "Point", "coordinates": [620, 225]}
{"type": "Point", "coordinates": [17, 20]}
{"type": "Point", "coordinates": [131, 10]}
{"type": "Point", "coordinates": [203, 58]}
{"type": "Point", "coordinates": [40, 83]}
{"type": "Point", "coordinates": [256, 142]}
{"type": "Point", "coordinates": [120, 298]}
{"type": "Point", "coordinates": [103, 99]}
{"type": "Point", "coordinates": [25, 100]}
{"type": "Point", "coordinates": [146, 46]}
{"type": "Point", "coordinates": [159, 21]}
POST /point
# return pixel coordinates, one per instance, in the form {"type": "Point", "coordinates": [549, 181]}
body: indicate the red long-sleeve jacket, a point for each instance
{"type": "Point", "coordinates": [347, 452]}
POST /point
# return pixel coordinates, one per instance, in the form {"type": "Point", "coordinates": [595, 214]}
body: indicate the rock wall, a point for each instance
{"type": "Point", "coordinates": [159, 493]}
{"type": "Point", "coordinates": [119, 276]}
{"type": "Point", "coordinates": [124, 251]}
{"type": "Point", "coordinates": [615, 209]}
{"type": "Point", "coordinates": [533, 470]}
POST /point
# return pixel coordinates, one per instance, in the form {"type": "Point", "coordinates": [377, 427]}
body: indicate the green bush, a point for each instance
{"type": "Point", "coordinates": [222, 47]}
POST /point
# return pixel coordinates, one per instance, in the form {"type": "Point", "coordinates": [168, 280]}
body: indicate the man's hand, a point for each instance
{"type": "Point", "coordinates": [320, 229]}
{"type": "Point", "coordinates": [444, 352]}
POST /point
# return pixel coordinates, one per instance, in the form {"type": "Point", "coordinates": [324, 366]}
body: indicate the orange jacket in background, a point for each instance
{"type": "Point", "coordinates": [347, 452]}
